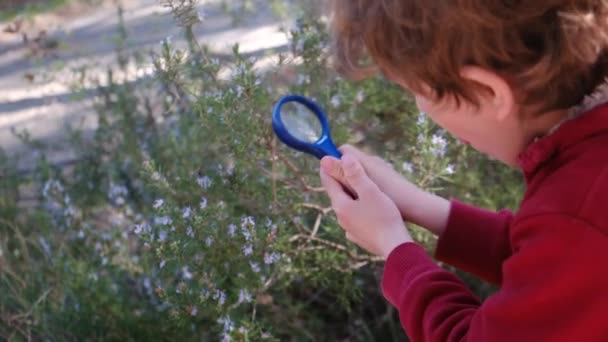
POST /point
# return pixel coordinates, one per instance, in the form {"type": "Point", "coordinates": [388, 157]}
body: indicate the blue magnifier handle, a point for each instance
{"type": "Point", "coordinates": [328, 148]}
{"type": "Point", "coordinates": [302, 125]}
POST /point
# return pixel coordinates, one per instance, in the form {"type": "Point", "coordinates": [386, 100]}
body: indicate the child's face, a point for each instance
{"type": "Point", "coordinates": [477, 126]}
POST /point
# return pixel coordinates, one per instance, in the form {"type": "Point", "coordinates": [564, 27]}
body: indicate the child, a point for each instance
{"type": "Point", "coordinates": [524, 82]}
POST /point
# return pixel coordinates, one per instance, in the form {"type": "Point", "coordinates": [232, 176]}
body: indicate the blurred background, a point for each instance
{"type": "Point", "coordinates": [144, 196]}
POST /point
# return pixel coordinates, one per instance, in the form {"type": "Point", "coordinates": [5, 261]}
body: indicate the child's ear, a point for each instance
{"type": "Point", "coordinates": [499, 98]}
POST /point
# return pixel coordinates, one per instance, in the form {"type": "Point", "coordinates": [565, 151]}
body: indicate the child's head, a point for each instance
{"type": "Point", "coordinates": [516, 65]}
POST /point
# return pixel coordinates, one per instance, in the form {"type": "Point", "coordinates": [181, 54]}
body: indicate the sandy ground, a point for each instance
{"type": "Point", "coordinates": [42, 102]}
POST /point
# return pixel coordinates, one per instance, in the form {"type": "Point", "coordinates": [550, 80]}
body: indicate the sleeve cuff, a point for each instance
{"type": "Point", "coordinates": [403, 262]}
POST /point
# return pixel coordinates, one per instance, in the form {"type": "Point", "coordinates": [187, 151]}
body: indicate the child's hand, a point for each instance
{"type": "Point", "coordinates": [372, 221]}
{"type": "Point", "coordinates": [415, 204]}
{"type": "Point", "coordinates": [379, 171]}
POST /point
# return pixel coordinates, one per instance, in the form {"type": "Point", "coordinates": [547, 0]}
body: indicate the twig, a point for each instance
{"type": "Point", "coordinates": [323, 242]}
{"type": "Point", "coordinates": [29, 313]}
{"type": "Point", "coordinates": [302, 228]}
{"type": "Point", "coordinates": [426, 180]}
{"type": "Point", "coordinates": [325, 211]}
{"type": "Point", "coordinates": [315, 228]}
{"type": "Point", "coordinates": [358, 265]}
{"type": "Point", "coordinates": [337, 246]}
{"type": "Point", "coordinates": [310, 249]}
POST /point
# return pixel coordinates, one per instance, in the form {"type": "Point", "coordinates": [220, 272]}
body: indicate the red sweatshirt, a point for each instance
{"type": "Point", "coordinates": [550, 259]}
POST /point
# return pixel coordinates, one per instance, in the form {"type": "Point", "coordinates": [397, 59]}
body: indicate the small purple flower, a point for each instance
{"type": "Point", "coordinates": [227, 323]}
{"type": "Point", "coordinates": [244, 296]}
{"type": "Point", "coordinates": [439, 145]}
{"type": "Point", "coordinates": [45, 246]}
{"type": "Point", "coordinates": [247, 221]}
{"type": "Point", "coordinates": [246, 234]}
{"type": "Point", "coordinates": [163, 221]}
{"type": "Point", "coordinates": [158, 203]}
{"type": "Point", "coordinates": [255, 267]}
{"type": "Point", "coordinates": [156, 176]}
{"type": "Point", "coordinates": [147, 284]}
{"type": "Point", "coordinates": [138, 229]}
{"type": "Point", "coordinates": [271, 258]}
{"type": "Point", "coordinates": [220, 296]}
{"type": "Point", "coordinates": [248, 249]}
{"type": "Point", "coordinates": [232, 230]}
{"type": "Point", "coordinates": [360, 96]}
{"type": "Point", "coordinates": [421, 119]}
{"type": "Point", "coordinates": [420, 139]}
{"type": "Point", "coordinates": [186, 212]}
{"type": "Point", "coordinates": [335, 101]}
{"type": "Point", "coordinates": [303, 79]}
{"type": "Point", "coordinates": [186, 273]}
{"type": "Point", "coordinates": [408, 167]}
{"type": "Point", "coordinates": [115, 194]}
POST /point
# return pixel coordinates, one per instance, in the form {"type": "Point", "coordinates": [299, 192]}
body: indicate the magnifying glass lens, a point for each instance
{"type": "Point", "coordinates": [301, 122]}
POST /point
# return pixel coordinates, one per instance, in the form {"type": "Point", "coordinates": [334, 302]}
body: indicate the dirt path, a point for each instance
{"type": "Point", "coordinates": [77, 36]}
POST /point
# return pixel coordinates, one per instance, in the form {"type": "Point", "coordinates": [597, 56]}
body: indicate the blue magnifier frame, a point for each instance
{"type": "Point", "coordinates": [324, 146]}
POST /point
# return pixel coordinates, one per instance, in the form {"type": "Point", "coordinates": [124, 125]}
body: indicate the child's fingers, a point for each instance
{"type": "Point", "coordinates": [333, 168]}
{"type": "Point", "coordinates": [334, 190]}
{"type": "Point", "coordinates": [350, 149]}
{"type": "Point", "coordinates": [356, 177]}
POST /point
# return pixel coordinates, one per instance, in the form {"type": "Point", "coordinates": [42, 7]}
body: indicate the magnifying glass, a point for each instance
{"type": "Point", "coordinates": [302, 125]}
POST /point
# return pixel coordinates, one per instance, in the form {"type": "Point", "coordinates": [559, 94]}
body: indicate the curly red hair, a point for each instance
{"type": "Point", "coordinates": [552, 52]}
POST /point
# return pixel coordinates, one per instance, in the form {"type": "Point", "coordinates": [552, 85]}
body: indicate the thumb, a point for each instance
{"type": "Point", "coordinates": [355, 175]}
{"type": "Point", "coordinates": [334, 190]}
{"type": "Point", "coordinates": [332, 167]}
{"type": "Point", "coordinates": [350, 149]}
